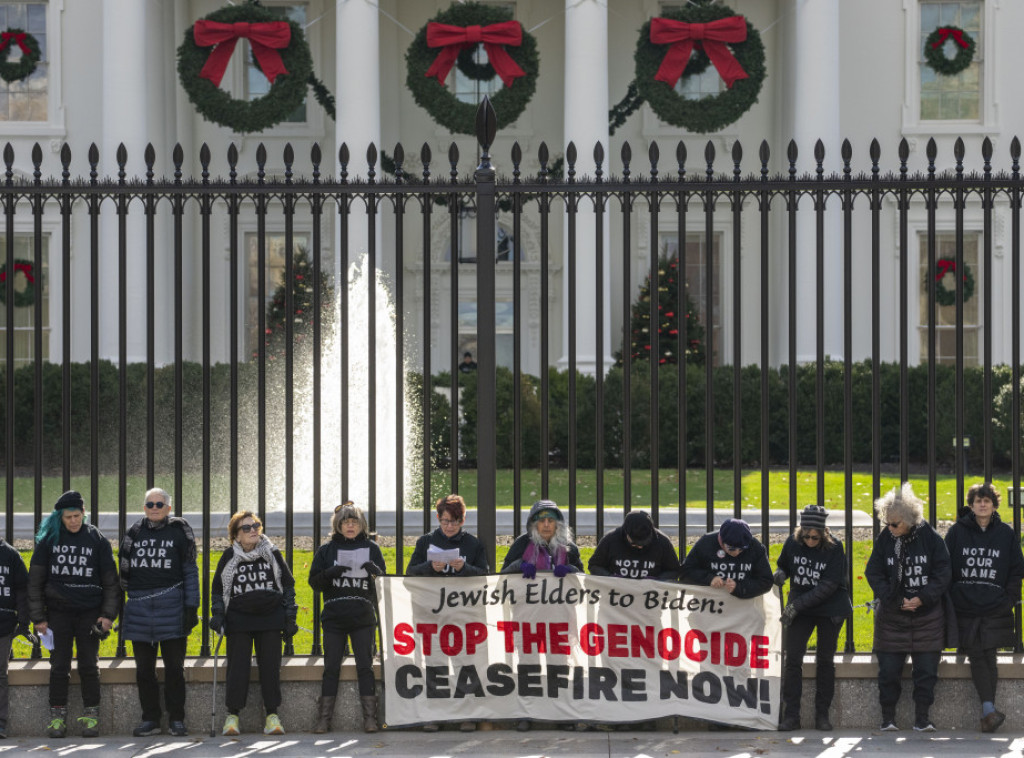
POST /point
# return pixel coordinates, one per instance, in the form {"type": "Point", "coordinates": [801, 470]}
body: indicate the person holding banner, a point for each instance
{"type": "Point", "coordinates": [253, 602]}
{"type": "Point", "coordinates": [343, 570]}
{"type": "Point", "coordinates": [14, 617]}
{"type": "Point", "coordinates": [729, 559]}
{"type": "Point", "coordinates": [987, 569]}
{"type": "Point", "coordinates": [449, 551]}
{"type": "Point", "coordinates": [819, 600]}
{"type": "Point", "coordinates": [635, 550]}
{"type": "Point", "coordinates": [909, 573]}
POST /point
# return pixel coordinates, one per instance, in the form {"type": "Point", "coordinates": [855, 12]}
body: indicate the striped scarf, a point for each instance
{"type": "Point", "coordinates": [264, 549]}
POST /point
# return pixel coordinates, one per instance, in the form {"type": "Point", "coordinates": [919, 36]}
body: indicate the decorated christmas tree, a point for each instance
{"type": "Point", "coordinates": [668, 326]}
{"type": "Point", "coordinates": [302, 303]}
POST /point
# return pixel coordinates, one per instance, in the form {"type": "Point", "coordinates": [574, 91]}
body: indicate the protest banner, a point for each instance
{"type": "Point", "coordinates": [579, 648]}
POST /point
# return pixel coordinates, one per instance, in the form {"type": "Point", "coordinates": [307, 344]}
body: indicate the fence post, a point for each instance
{"type": "Point", "coordinates": [486, 398]}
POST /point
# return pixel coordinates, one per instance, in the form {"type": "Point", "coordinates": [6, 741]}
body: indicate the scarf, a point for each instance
{"type": "Point", "coordinates": [133, 534]}
{"type": "Point", "coordinates": [264, 549]}
{"type": "Point", "coordinates": [902, 558]}
{"type": "Point", "coordinates": [539, 553]}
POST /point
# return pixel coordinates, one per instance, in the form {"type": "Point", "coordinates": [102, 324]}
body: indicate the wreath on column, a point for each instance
{"type": "Point", "coordinates": [30, 54]}
{"type": "Point", "coordinates": [934, 50]}
{"type": "Point", "coordinates": [26, 294]}
{"type": "Point", "coordinates": [943, 295]}
{"type": "Point", "coordinates": [720, 38]}
{"type": "Point", "coordinates": [279, 49]}
{"type": "Point", "coordinates": [450, 39]}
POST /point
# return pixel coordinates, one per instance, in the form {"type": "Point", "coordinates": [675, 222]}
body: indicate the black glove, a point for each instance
{"type": "Point", "coordinates": [291, 628]}
{"type": "Point", "coordinates": [788, 615]}
{"type": "Point", "coordinates": [780, 577]}
{"type": "Point", "coordinates": [190, 618]}
{"type": "Point", "coordinates": [24, 631]}
{"type": "Point", "coordinates": [98, 631]}
{"type": "Point", "coordinates": [336, 571]}
{"type": "Point", "coordinates": [372, 569]}
{"type": "Point", "coordinates": [217, 623]}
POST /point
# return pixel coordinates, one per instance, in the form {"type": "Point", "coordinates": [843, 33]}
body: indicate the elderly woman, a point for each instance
{"type": "Point", "coordinates": [819, 600]}
{"type": "Point", "coordinates": [987, 568]}
{"type": "Point", "coordinates": [73, 592]}
{"type": "Point", "coordinates": [160, 577]}
{"type": "Point", "coordinates": [729, 559]}
{"type": "Point", "coordinates": [428, 559]}
{"type": "Point", "coordinates": [343, 570]}
{"type": "Point", "coordinates": [253, 605]}
{"type": "Point", "coordinates": [909, 573]}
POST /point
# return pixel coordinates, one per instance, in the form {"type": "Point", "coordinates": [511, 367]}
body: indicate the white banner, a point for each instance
{"type": "Point", "coordinates": [581, 648]}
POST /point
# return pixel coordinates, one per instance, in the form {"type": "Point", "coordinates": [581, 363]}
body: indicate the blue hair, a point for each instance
{"type": "Point", "coordinates": [49, 529]}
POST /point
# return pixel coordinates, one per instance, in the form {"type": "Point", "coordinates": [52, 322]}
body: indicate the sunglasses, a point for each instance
{"type": "Point", "coordinates": [449, 522]}
{"type": "Point", "coordinates": [250, 528]}
{"type": "Point", "coordinates": [731, 548]}
{"type": "Point", "coordinates": [811, 537]}
{"type": "Point", "coordinates": [151, 504]}
{"type": "Point", "coordinates": [893, 524]}
{"type": "Point", "coordinates": [343, 505]}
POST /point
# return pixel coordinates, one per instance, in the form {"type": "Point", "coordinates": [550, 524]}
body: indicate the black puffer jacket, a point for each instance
{"type": "Point", "coordinates": [470, 548]}
{"type": "Point", "coordinates": [987, 570]}
{"type": "Point", "coordinates": [925, 574]}
{"type": "Point", "coordinates": [817, 578]}
{"type": "Point", "coordinates": [77, 573]}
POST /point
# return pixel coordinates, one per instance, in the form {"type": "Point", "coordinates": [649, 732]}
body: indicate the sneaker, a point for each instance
{"type": "Point", "coordinates": [431, 726]}
{"type": "Point", "coordinates": [230, 726]}
{"type": "Point", "coordinates": [58, 726]}
{"type": "Point", "coordinates": [992, 721]}
{"type": "Point", "coordinates": [89, 721]}
{"type": "Point", "coordinates": [822, 722]}
{"type": "Point", "coordinates": [889, 726]}
{"type": "Point", "coordinates": [177, 729]}
{"type": "Point", "coordinates": [523, 725]}
{"type": "Point", "coordinates": [923, 724]}
{"type": "Point", "coordinates": [273, 725]}
{"type": "Point", "coordinates": [147, 729]}
{"type": "Point", "coordinates": [790, 723]}
{"type": "Point", "coordinates": [3, 731]}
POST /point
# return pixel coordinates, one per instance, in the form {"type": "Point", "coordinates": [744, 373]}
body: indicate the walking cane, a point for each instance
{"type": "Point", "coordinates": [785, 634]}
{"type": "Point", "coordinates": [213, 703]}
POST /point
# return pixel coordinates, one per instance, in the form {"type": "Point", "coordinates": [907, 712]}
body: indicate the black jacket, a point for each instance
{"type": "Point", "coordinates": [77, 573]}
{"type": "Point", "coordinates": [254, 606]}
{"type": "Point", "coordinates": [348, 603]}
{"type": "Point", "coordinates": [817, 578]}
{"type": "Point", "coordinates": [987, 568]}
{"type": "Point", "coordinates": [615, 556]}
{"type": "Point", "coordinates": [13, 591]}
{"type": "Point", "coordinates": [927, 576]}
{"type": "Point", "coordinates": [470, 548]}
{"type": "Point", "coordinates": [750, 569]}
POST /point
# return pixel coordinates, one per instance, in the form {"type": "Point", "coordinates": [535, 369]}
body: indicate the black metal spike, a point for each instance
{"type": "Point", "coordinates": [626, 154]}
{"type": "Point", "coordinates": [121, 156]}
{"type": "Point", "coordinates": [204, 161]}
{"type": "Point", "coordinates": [453, 162]}
{"type": "Point", "coordinates": [791, 155]}
{"type": "Point", "coordinates": [931, 151]}
{"type": "Point", "coordinates": [371, 161]}
{"type": "Point", "coordinates": [261, 162]}
{"type": "Point", "coordinates": [9, 162]}
{"type": "Point", "coordinates": [681, 159]}
{"type": "Point", "coordinates": [65, 162]}
{"type": "Point", "coordinates": [542, 159]}
{"type": "Point", "coordinates": [425, 156]}
{"type": "Point", "coordinates": [737, 158]}
{"type": "Point", "coordinates": [958, 153]}
{"type": "Point", "coordinates": [233, 162]}
{"type": "Point", "coordinates": [1015, 154]}
{"type": "Point", "coordinates": [903, 152]}
{"type": "Point", "coordinates": [570, 161]}
{"type": "Point", "coordinates": [517, 158]}
{"type": "Point", "coordinates": [94, 160]}
{"type": "Point", "coordinates": [399, 158]}
{"type": "Point", "coordinates": [875, 153]}
{"type": "Point", "coordinates": [289, 160]}
{"type": "Point", "coordinates": [654, 155]}
{"type": "Point", "coordinates": [764, 153]}
{"type": "Point", "coordinates": [149, 155]}
{"type": "Point", "coordinates": [709, 158]}
{"type": "Point", "coordinates": [598, 160]}
{"type": "Point", "coordinates": [986, 153]}
{"type": "Point", "coordinates": [819, 158]}
{"type": "Point", "coordinates": [846, 150]}
{"type": "Point", "coordinates": [37, 162]}
{"type": "Point", "coordinates": [486, 124]}
{"type": "Point", "coordinates": [315, 156]}
{"type": "Point", "coordinates": [343, 158]}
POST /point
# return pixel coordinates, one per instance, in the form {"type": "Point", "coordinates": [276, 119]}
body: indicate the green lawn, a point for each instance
{"type": "Point", "coordinates": [862, 622]}
{"type": "Point", "coordinates": [531, 489]}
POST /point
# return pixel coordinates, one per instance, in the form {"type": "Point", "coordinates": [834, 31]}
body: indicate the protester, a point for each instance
{"type": "Point", "coordinates": [546, 546]}
{"type": "Point", "coordinates": [909, 573]}
{"type": "Point", "coordinates": [729, 559]}
{"type": "Point", "coordinates": [987, 568]}
{"type": "Point", "coordinates": [14, 617]}
{"type": "Point", "coordinates": [73, 592]}
{"type": "Point", "coordinates": [635, 550]}
{"type": "Point", "coordinates": [819, 600]}
{"type": "Point", "coordinates": [471, 559]}
{"type": "Point", "coordinates": [343, 570]}
{"type": "Point", "coordinates": [161, 579]}
{"type": "Point", "coordinates": [253, 602]}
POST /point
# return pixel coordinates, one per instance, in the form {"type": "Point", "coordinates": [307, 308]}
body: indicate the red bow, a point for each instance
{"type": "Point", "coordinates": [19, 37]}
{"type": "Point", "coordinates": [712, 36]}
{"type": "Point", "coordinates": [944, 266]}
{"type": "Point", "coordinates": [266, 39]}
{"type": "Point", "coordinates": [454, 39]}
{"type": "Point", "coordinates": [946, 32]}
{"type": "Point", "coordinates": [25, 268]}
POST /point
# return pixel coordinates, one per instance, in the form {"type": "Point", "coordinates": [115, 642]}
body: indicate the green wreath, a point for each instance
{"type": "Point", "coordinates": [440, 102]}
{"type": "Point", "coordinates": [934, 50]}
{"type": "Point", "coordinates": [285, 95]}
{"type": "Point", "coordinates": [26, 296]}
{"type": "Point", "coordinates": [12, 72]}
{"type": "Point", "coordinates": [708, 114]}
{"type": "Point", "coordinates": [945, 296]}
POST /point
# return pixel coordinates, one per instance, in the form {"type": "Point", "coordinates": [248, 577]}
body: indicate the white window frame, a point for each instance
{"type": "Point", "coordinates": [54, 127]}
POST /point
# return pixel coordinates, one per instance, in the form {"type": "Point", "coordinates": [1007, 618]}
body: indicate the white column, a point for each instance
{"type": "Point", "coordinates": [586, 124]}
{"type": "Point", "coordinates": [813, 49]}
{"type": "Point", "coordinates": [125, 88]}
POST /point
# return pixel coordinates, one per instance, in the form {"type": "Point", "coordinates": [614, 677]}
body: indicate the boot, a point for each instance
{"type": "Point", "coordinates": [822, 722]}
{"type": "Point", "coordinates": [369, 703]}
{"type": "Point", "coordinates": [325, 710]}
{"type": "Point", "coordinates": [58, 726]}
{"type": "Point", "coordinates": [90, 721]}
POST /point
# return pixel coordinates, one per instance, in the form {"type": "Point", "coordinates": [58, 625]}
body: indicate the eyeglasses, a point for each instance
{"type": "Point", "coordinates": [811, 537]}
{"type": "Point", "coordinates": [893, 524]}
{"type": "Point", "coordinates": [449, 522]}
{"type": "Point", "coordinates": [151, 504]}
{"type": "Point", "coordinates": [250, 528]}
{"type": "Point", "coordinates": [732, 548]}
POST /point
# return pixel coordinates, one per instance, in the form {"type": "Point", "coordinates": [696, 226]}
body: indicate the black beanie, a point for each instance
{"type": "Point", "coordinates": [735, 532]}
{"type": "Point", "coordinates": [70, 500]}
{"type": "Point", "coordinates": [813, 517]}
{"type": "Point", "coordinates": [639, 527]}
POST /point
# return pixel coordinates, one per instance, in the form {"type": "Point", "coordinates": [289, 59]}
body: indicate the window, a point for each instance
{"type": "Point", "coordinates": [472, 91]}
{"type": "Point", "coordinates": [504, 243]}
{"type": "Point", "coordinates": [696, 281]}
{"type": "Point", "coordinates": [256, 84]}
{"type": "Point", "coordinates": [504, 346]}
{"type": "Point", "coordinates": [956, 97]}
{"type": "Point", "coordinates": [25, 99]}
{"type": "Point", "coordinates": [945, 315]}
{"type": "Point", "coordinates": [276, 258]}
{"type": "Point", "coordinates": [27, 281]}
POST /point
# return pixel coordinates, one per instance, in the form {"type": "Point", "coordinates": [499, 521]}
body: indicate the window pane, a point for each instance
{"type": "Point", "coordinates": [960, 97]}
{"type": "Point", "coordinates": [24, 315]}
{"type": "Point", "coordinates": [275, 273]}
{"type": "Point", "coordinates": [945, 315]}
{"type": "Point", "coordinates": [257, 85]}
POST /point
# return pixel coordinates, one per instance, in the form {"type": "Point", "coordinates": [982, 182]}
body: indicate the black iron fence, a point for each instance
{"type": "Point", "coordinates": [221, 412]}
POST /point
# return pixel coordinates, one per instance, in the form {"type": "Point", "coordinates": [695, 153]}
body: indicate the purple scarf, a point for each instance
{"type": "Point", "coordinates": [542, 558]}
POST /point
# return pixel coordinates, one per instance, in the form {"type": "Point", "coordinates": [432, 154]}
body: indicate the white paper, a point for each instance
{"type": "Point", "coordinates": [434, 553]}
{"type": "Point", "coordinates": [354, 559]}
{"type": "Point", "coordinates": [46, 639]}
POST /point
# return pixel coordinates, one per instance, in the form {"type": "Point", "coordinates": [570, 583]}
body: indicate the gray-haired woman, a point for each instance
{"type": "Point", "coordinates": [909, 573]}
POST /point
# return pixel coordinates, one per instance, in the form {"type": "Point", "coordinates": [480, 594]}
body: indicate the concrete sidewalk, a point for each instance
{"type": "Point", "coordinates": [508, 744]}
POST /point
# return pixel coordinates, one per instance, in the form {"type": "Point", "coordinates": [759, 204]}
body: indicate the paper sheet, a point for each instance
{"type": "Point", "coordinates": [354, 559]}
{"type": "Point", "coordinates": [435, 553]}
{"type": "Point", "coordinates": [46, 639]}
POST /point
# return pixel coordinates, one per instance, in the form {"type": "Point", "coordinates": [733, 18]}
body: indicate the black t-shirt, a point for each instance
{"type": "Point", "coordinates": [156, 558]}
